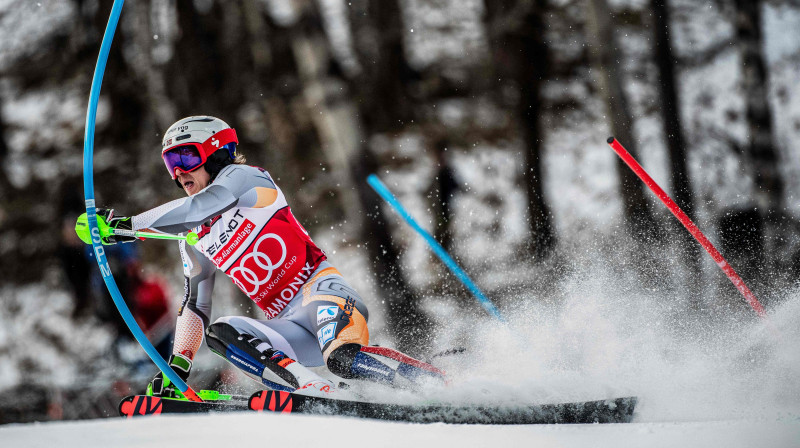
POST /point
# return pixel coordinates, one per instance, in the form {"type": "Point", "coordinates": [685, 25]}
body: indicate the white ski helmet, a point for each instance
{"type": "Point", "coordinates": [190, 142]}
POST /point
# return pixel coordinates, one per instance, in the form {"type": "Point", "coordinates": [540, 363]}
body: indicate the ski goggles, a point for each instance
{"type": "Point", "coordinates": [191, 156]}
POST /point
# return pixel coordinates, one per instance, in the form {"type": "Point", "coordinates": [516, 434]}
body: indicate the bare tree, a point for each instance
{"type": "Point", "coordinates": [673, 132]}
{"type": "Point", "coordinates": [6, 188]}
{"type": "Point", "coordinates": [445, 189]}
{"type": "Point", "coordinates": [381, 102]}
{"type": "Point", "coordinates": [606, 62]}
{"type": "Point", "coordinates": [760, 148]}
{"type": "Point", "coordinates": [754, 237]}
{"type": "Point", "coordinates": [517, 36]}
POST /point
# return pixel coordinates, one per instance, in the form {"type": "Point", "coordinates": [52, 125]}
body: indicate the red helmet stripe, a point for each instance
{"type": "Point", "coordinates": [219, 140]}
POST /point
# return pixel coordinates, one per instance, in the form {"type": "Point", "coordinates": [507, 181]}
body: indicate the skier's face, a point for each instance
{"type": "Point", "coordinates": [193, 182]}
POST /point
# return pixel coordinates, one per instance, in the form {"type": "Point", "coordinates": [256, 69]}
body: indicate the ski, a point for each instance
{"type": "Point", "coordinates": [615, 410]}
{"type": "Point", "coordinates": [136, 405]}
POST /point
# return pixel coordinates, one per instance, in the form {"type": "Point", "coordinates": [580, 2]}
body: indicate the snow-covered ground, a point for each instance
{"type": "Point", "coordinates": [728, 385]}
{"type": "Point", "coordinates": [245, 429]}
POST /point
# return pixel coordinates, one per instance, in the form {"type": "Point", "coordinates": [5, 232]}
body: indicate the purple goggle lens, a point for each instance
{"type": "Point", "coordinates": [187, 158]}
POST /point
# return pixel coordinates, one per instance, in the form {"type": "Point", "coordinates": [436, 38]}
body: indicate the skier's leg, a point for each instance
{"type": "Point", "coordinates": [267, 351]}
{"type": "Point", "coordinates": [334, 312]}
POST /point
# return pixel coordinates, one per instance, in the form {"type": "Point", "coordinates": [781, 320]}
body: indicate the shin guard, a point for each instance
{"type": "Point", "coordinates": [375, 364]}
{"type": "Point", "coordinates": [269, 365]}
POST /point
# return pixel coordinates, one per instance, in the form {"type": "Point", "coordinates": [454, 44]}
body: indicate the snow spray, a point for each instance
{"type": "Point", "coordinates": [690, 226]}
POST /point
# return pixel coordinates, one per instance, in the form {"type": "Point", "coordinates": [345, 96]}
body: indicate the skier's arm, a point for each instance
{"type": "Point", "coordinates": [195, 311]}
{"type": "Point", "coordinates": [235, 186]}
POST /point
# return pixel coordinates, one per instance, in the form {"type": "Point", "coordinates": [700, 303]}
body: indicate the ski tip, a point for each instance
{"type": "Point", "coordinates": [139, 405]}
{"type": "Point", "coordinates": [126, 407]}
{"type": "Point", "coordinates": [272, 400]}
{"type": "Point", "coordinates": [610, 140]}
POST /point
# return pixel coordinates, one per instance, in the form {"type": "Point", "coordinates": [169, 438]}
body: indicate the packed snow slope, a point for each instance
{"type": "Point", "coordinates": [725, 383]}
{"type": "Point", "coordinates": [246, 429]}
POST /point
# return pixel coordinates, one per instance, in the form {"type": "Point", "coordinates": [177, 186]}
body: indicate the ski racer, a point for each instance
{"type": "Point", "coordinates": [312, 316]}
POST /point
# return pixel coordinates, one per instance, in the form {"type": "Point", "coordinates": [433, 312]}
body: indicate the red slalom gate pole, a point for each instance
{"type": "Point", "coordinates": [690, 226]}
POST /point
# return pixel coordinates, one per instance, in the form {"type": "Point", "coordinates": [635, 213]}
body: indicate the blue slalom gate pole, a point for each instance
{"type": "Point", "coordinates": [91, 213]}
{"type": "Point", "coordinates": [437, 248]}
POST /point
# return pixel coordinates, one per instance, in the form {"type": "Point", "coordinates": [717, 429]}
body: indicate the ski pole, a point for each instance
{"type": "Point", "coordinates": [82, 229]}
{"type": "Point", "coordinates": [690, 226]}
{"type": "Point", "coordinates": [437, 248]}
{"type": "Point", "coordinates": [191, 238]}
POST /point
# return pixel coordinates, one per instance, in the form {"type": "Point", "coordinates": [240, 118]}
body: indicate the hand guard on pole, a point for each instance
{"type": "Point", "coordinates": [106, 217]}
{"type": "Point", "coordinates": [108, 225]}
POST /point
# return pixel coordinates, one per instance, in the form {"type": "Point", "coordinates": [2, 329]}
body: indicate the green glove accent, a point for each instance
{"type": "Point", "coordinates": [82, 228]}
{"type": "Point", "coordinates": [167, 390]}
{"type": "Point", "coordinates": [106, 224]}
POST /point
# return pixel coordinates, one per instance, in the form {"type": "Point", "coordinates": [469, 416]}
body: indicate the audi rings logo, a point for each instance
{"type": "Point", "coordinates": [261, 260]}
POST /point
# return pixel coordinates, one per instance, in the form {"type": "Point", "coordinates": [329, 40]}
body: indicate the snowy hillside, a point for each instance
{"type": "Point", "coordinates": [298, 432]}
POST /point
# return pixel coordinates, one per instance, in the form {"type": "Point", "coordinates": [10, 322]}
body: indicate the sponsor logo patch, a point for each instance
{"type": "Point", "coordinates": [349, 303]}
{"type": "Point", "coordinates": [225, 233]}
{"type": "Point", "coordinates": [326, 334]}
{"type": "Point", "coordinates": [249, 276]}
{"type": "Point", "coordinates": [234, 242]}
{"type": "Point", "coordinates": [326, 313]}
{"type": "Point", "coordinates": [242, 364]}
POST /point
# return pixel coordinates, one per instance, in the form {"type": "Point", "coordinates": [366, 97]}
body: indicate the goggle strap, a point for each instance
{"type": "Point", "coordinates": [219, 140]}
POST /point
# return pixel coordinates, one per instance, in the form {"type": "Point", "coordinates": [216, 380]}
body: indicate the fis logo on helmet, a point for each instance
{"type": "Point", "coordinates": [176, 130]}
{"type": "Point", "coordinates": [326, 313]}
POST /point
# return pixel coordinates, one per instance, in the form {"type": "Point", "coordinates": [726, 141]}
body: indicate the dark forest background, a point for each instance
{"type": "Point", "coordinates": [323, 93]}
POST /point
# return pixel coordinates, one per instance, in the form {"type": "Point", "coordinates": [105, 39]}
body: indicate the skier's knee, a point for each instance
{"type": "Point", "coordinates": [219, 335]}
{"type": "Point", "coordinates": [349, 328]}
{"type": "Point", "coordinates": [349, 361]}
{"type": "Point", "coordinates": [340, 360]}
